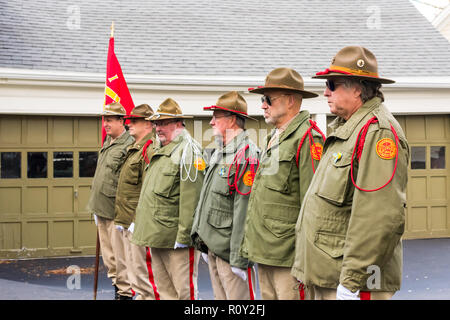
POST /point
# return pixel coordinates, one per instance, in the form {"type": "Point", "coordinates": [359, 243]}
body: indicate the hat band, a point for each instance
{"type": "Point", "coordinates": [348, 71]}
{"type": "Point", "coordinates": [222, 108]}
{"type": "Point", "coordinates": [159, 114]}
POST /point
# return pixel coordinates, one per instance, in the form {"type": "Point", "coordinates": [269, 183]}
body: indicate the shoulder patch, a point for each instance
{"type": "Point", "coordinates": [200, 164]}
{"type": "Point", "coordinates": [248, 178]}
{"type": "Point", "coordinates": [316, 150]}
{"type": "Point", "coordinates": [386, 149]}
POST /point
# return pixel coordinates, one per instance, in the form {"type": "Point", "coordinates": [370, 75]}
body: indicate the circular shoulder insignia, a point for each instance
{"type": "Point", "coordinates": [200, 164]}
{"type": "Point", "coordinates": [316, 151]}
{"type": "Point", "coordinates": [360, 63]}
{"type": "Point", "coordinates": [386, 149]}
{"type": "Point", "coordinates": [248, 178]}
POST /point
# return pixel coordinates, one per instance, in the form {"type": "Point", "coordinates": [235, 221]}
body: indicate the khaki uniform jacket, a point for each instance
{"type": "Point", "coordinates": [342, 232]}
{"type": "Point", "coordinates": [130, 181]}
{"type": "Point", "coordinates": [220, 215]}
{"type": "Point", "coordinates": [168, 197]}
{"type": "Point", "coordinates": [277, 194]}
{"type": "Point", "coordinates": [104, 184]}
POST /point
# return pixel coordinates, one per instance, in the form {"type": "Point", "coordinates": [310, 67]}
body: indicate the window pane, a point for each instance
{"type": "Point", "coordinates": [437, 157]}
{"type": "Point", "coordinates": [417, 157]}
{"type": "Point", "coordinates": [10, 165]}
{"type": "Point", "coordinates": [63, 164]}
{"type": "Point", "coordinates": [87, 163]}
{"type": "Point", "coordinates": [37, 165]}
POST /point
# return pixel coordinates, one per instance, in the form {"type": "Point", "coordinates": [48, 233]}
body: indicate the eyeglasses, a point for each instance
{"type": "Point", "coordinates": [222, 116]}
{"type": "Point", "coordinates": [269, 100]}
{"type": "Point", "coordinates": [332, 84]}
{"type": "Point", "coordinates": [163, 123]}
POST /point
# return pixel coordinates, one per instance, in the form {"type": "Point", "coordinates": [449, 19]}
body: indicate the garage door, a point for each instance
{"type": "Point", "coordinates": [47, 165]}
{"type": "Point", "coordinates": [428, 193]}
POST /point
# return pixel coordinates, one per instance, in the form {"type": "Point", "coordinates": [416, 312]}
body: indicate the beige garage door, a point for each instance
{"type": "Point", "coordinates": [47, 165]}
{"type": "Point", "coordinates": [428, 193]}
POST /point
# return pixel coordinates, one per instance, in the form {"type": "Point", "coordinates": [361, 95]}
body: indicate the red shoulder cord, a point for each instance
{"type": "Point", "coordinates": [144, 150]}
{"type": "Point", "coordinates": [238, 159]}
{"type": "Point", "coordinates": [359, 145]}
{"type": "Point", "coordinates": [313, 126]}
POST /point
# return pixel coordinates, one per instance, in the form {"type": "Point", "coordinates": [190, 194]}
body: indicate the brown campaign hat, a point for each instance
{"type": "Point", "coordinates": [232, 102]}
{"type": "Point", "coordinates": [355, 62]}
{"type": "Point", "coordinates": [168, 109]}
{"type": "Point", "coordinates": [141, 111]}
{"type": "Point", "coordinates": [114, 109]}
{"type": "Point", "coordinates": [284, 79]}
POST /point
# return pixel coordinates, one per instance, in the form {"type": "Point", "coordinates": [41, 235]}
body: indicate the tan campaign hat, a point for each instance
{"type": "Point", "coordinates": [114, 109]}
{"type": "Point", "coordinates": [284, 79]}
{"type": "Point", "coordinates": [355, 62]}
{"type": "Point", "coordinates": [141, 111]}
{"type": "Point", "coordinates": [232, 102]}
{"type": "Point", "coordinates": [168, 109]}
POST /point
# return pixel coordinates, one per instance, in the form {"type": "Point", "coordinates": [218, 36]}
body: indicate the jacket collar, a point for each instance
{"type": "Point", "coordinates": [169, 148]}
{"type": "Point", "coordinates": [343, 129]}
{"type": "Point", "coordinates": [121, 139]}
{"type": "Point", "coordinates": [301, 117]}
{"type": "Point", "coordinates": [140, 144]}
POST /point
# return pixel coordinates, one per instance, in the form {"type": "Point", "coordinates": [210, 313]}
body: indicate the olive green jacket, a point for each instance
{"type": "Point", "coordinates": [345, 235]}
{"type": "Point", "coordinates": [130, 181]}
{"type": "Point", "coordinates": [104, 184]}
{"type": "Point", "coordinates": [168, 196]}
{"type": "Point", "coordinates": [277, 194]}
{"type": "Point", "coordinates": [220, 215]}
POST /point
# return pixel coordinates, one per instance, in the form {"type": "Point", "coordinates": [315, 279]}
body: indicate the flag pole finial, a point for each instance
{"type": "Point", "coordinates": [112, 29]}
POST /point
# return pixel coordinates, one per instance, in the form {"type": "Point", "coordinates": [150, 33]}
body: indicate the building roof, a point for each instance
{"type": "Point", "coordinates": [216, 37]}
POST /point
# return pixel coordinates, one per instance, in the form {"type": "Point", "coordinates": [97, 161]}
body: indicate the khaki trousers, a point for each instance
{"type": "Point", "coordinates": [105, 230]}
{"type": "Point", "coordinates": [175, 272]}
{"type": "Point", "coordinates": [227, 285]}
{"type": "Point", "coordinates": [138, 272]}
{"type": "Point", "coordinates": [321, 293]}
{"type": "Point", "coordinates": [277, 283]}
{"type": "Point", "coordinates": [122, 281]}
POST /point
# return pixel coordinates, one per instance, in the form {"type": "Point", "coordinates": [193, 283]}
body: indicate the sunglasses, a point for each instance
{"type": "Point", "coordinates": [269, 100]}
{"type": "Point", "coordinates": [332, 84]}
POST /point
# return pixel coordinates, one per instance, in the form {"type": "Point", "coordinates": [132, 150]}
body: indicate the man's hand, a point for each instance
{"type": "Point", "coordinates": [342, 293]}
{"type": "Point", "coordinates": [180, 245]}
{"type": "Point", "coordinates": [239, 272]}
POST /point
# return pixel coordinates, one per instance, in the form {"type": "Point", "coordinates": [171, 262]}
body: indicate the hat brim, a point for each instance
{"type": "Point", "coordinates": [212, 108]}
{"type": "Point", "coordinates": [157, 117]}
{"type": "Point", "coordinates": [109, 113]}
{"type": "Point", "coordinates": [132, 116]}
{"type": "Point", "coordinates": [305, 94]}
{"type": "Point", "coordinates": [368, 78]}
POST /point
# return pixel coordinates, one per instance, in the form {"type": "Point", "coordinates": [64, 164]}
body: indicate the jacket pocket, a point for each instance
{"type": "Point", "coordinates": [332, 244]}
{"type": "Point", "coordinates": [221, 184]}
{"type": "Point", "coordinates": [220, 219]}
{"type": "Point", "coordinates": [133, 174]}
{"type": "Point", "coordinates": [164, 186]}
{"type": "Point", "coordinates": [167, 218]}
{"type": "Point", "coordinates": [108, 190]}
{"type": "Point", "coordinates": [278, 180]}
{"type": "Point", "coordinates": [335, 185]}
{"type": "Point", "coordinates": [281, 219]}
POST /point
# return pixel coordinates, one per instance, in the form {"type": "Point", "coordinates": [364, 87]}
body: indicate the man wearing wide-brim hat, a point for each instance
{"type": "Point", "coordinates": [103, 191]}
{"type": "Point", "coordinates": [219, 219]}
{"type": "Point", "coordinates": [168, 198]}
{"type": "Point", "coordinates": [352, 218]}
{"type": "Point", "coordinates": [285, 171]}
{"type": "Point", "coordinates": [132, 264]}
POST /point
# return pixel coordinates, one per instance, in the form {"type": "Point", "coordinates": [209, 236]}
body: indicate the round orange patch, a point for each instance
{"type": "Point", "coordinates": [386, 149]}
{"type": "Point", "coordinates": [249, 176]}
{"type": "Point", "coordinates": [200, 164]}
{"type": "Point", "coordinates": [316, 151]}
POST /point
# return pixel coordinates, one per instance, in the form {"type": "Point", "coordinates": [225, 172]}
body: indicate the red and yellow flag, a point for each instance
{"type": "Point", "coordinates": [116, 89]}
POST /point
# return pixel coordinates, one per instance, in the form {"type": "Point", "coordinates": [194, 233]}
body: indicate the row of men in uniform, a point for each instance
{"type": "Point", "coordinates": [314, 214]}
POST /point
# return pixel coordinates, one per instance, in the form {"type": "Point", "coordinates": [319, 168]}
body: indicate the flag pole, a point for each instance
{"type": "Point", "coordinates": [112, 29]}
